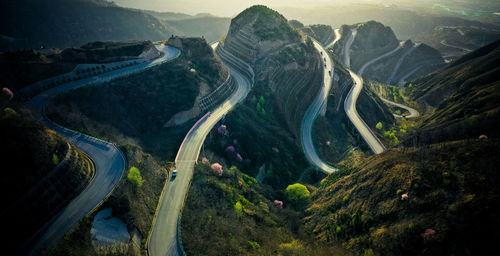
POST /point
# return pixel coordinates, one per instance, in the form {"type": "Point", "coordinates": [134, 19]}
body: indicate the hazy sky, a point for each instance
{"type": "Point", "coordinates": [219, 7]}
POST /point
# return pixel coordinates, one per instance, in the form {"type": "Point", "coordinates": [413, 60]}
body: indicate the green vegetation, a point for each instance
{"type": "Point", "coordinates": [103, 112]}
{"type": "Point", "coordinates": [389, 203]}
{"type": "Point", "coordinates": [134, 205]}
{"type": "Point", "coordinates": [379, 126]}
{"type": "Point", "coordinates": [298, 194]}
{"type": "Point", "coordinates": [465, 97]}
{"type": "Point", "coordinates": [134, 176]}
{"type": "Point", "coordinates": [269, 24]}
{"type": "Point", "coordinates": [211, 224]}
{"type": "Point", "coordinates": [55, 159]}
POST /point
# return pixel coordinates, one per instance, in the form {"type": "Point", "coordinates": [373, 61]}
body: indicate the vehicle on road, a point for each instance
{"type": "Point", "coordinates": [174, 174]}
{"type": "Point", "coordinates": [329, 72]}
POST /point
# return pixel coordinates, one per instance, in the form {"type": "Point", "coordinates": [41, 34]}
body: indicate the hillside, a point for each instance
{"type": "Point", "coordinates": [252, 223]}
{"type": "Point", "coordinates": [372, 39]}
{"type": "Point", "coordinates": [69, 23]}
{"type": "Point", "coordinates": [287, 71]}
{"type": "Point", "coordinates": [115, 110]}
{"type": "Point", "coordinates": [43, 172]}
{"type": "Point", "coordinates": [463, 96]}
{"type": "Point", "coordinates": [24, 67]}
{"type": "Point", "coordinates": [418, 24]}
{"type": "Point", "coordinates": [323, 33]}
{"type": "Point", "coordinates": [437, 187]}
{"type": "Point", "coordinates": [414, 201]}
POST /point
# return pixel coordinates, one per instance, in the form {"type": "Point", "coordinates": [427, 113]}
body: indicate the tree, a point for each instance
{"type": "Point", "coordinates": [217, 168]}
{"type": "Point", "coordinates": [379, 126]}
{"type": "Point", "coordinates": [134, 176]}
{"type": "Point", "coordinates": [298, 194]}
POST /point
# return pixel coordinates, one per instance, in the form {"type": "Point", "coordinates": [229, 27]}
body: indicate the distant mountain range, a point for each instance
{"type": "Point", "coordinates": [70, 23]}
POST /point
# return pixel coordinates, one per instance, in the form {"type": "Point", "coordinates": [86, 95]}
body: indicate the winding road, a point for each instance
{"type": "Point", "coordinates": [318, 105]}
{"type": "Point", "coordinates": [413, 112]}
{"type": "Point", "coordinates": [109, 162]}
{"type": "Point", "coordinates": [164, 238]}
{"type": "Point", "coordinates": [350, 102]}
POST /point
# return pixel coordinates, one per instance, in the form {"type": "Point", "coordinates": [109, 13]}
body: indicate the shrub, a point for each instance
{"type": "Point", "coordinates": [254, 245]}
{"type": "Point", "coordinates": [55, 159]}
{"type": "Point", "coordinates": [7, 93]}
{"type": "Point", "coordinates": [379, 126]}
{"type": "Point", "coordinates": [134, 176]}
{"type": "Point", "coordinates": [298, 194]}
{"type": "Point", "coordinates": [217, 168]}
{"type": "Point", "coordinates": [238, 209]}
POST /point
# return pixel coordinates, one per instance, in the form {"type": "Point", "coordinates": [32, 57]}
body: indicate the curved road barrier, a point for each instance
{"type": "Point", "coordinates": [109, 162]}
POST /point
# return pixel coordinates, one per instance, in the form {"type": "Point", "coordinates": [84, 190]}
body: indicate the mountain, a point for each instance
{"type": "Point", "coordinates": [70, 23]}
{"type": "Point", "coordinates": [423, 24]}
{"type": "Point", "coordinates": [373, 39]}
{"type": "Point", "coordinates": [288, 77]}
{"type": "Point", "coordinates": [430, 193]}
{"type": "Point", "coordinates": [464, 97]}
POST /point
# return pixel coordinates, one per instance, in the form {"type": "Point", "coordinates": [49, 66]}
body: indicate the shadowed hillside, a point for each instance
{"type": "Point", "coordinates": [43, 172]}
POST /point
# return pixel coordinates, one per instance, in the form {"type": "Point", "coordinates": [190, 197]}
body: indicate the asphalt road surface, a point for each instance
{"type": "Point", "coordinates": [318, 105]}
{"type": "Point", "coordinates": [164, 237]}
{"type": "Point", "coordinates": [108, 160]}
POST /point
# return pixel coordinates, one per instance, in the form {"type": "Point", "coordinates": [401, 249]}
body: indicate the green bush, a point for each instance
{"type": "Point", "coordinates": [55, 159]}
{"type": "Point", "coordinates": [134, 176]}
{"type": "Point", "coordinates": [238, 209]}
{"type": "Point", "coordinates": [254, 245]}
{"type": "Point", "coordinates": [298, 194]}
{"type": "Point", "coordinates": [379, 126]}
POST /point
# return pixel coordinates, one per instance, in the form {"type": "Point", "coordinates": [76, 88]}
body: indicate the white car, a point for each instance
{"type": "Point", "coordinates": [174, 173]}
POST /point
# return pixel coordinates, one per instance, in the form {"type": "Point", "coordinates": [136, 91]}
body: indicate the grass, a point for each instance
{"type": "Point", "coordinates": [447, 189]}
{"type": "Point", "coordinates": [222, 216]}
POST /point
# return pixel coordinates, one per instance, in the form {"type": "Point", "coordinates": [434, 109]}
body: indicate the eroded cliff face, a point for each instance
{"type": "Point", "coordinates": [285, 61]}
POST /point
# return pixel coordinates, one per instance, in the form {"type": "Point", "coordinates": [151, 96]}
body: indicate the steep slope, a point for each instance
{"type": "Point", "coordinates": [43, 173]}
{"type": "Point", "coordinates": [426, 196]}
{"type": "Point", "coordinates": [66, 23]}
{"type": "Point", "coordinates": [322, 33]}
{"type": "Point", "coordinates": [288, 75]}
{"type": "Point", "coordinates": [414, 201]}
{"type": "Point", "coordinates": [373, 39]}
{"type": "Point", "coordinates": [218, 205]}
{"type": "Point", "coordinates": [463, 96]}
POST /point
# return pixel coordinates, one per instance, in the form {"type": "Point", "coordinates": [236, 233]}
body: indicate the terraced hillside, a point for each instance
{"type": "Point", "coordinates": [44, 172]}
{"type": "Point", "coordinates": [283, 60]}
